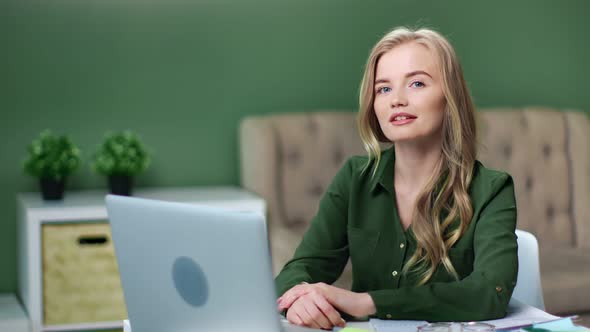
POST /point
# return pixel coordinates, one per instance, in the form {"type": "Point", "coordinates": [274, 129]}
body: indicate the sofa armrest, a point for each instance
{"type": "Point", "coordinates": [259, 162]}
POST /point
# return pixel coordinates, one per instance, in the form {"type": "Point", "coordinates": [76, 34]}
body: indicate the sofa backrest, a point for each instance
{"type": "Point", "coordinates": [290, 159]}
{"type": "Point", "coordinates": [304, 151]}
{"type": "Point", "coordinates": [546, 152]}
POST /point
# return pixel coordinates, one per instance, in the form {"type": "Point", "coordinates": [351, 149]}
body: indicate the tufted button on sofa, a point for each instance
{"type": "Point", "coordinates": [289, 159]}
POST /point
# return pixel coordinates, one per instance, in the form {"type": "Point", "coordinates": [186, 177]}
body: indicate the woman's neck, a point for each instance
{"type": "Point", "coordinates": [414, 164]}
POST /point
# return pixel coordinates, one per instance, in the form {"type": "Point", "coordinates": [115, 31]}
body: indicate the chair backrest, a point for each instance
{"type": "Point", "coordinates": [528, 284]}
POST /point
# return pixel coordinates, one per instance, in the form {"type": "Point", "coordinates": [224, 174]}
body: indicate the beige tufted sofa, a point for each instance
{"type": "Point", "coordinates": [289, 159]}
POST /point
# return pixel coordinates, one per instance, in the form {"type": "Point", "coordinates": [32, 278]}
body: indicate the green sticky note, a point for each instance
{"type": "Point", "coordinates": [352, 329]}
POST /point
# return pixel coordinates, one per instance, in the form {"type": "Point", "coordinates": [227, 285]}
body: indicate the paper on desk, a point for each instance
{"type": "Point", "coordinates": [396, 325]}
{"type": "Point", "coordinates": [518, 315]}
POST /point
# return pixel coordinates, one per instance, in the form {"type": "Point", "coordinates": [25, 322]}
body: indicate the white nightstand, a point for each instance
{"type": "Point", "coordinates": [52, 235]}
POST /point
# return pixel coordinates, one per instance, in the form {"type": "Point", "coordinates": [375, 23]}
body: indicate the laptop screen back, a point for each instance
{"type": "Point", "coordinates": [192, 268]}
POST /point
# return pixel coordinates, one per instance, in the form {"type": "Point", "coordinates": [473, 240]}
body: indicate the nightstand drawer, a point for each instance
{"type": "Point", "coordinates": [80, 275]}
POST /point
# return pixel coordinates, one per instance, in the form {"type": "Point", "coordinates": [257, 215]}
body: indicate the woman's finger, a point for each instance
{"type": "Point", "coordinates": [293, 294]}
{"type": "Point", "coordinates": [299, 309]}
{"type": "Point", "coordinates": [318, 317]}
{"type": "Point", "coordinates": [328, 310]}
{"type": "Point", "coordinates": [288, 293]}
{"type": "Point", "coordinates": [293, 317]}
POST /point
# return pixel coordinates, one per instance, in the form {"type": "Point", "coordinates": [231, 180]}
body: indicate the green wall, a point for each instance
{"type": "Point", "coordinates": [183, 75]}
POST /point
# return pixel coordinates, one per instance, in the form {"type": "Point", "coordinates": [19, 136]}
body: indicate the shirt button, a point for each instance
{"type": "Point", "coordinates": [498, 289]}
{"type": "Point", "coordinates": [388, 316]}
{"type": "Point", "coordinates": [402, 245]}
{"type": "Point", "coordinates": [394, 273]}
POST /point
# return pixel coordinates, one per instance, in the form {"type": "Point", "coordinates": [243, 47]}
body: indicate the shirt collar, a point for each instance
{"type": "Point", "coordinates": [384, 174]}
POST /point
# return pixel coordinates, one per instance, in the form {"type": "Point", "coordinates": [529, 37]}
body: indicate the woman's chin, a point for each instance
{"type": "Point", "coordinates": [403, 138]}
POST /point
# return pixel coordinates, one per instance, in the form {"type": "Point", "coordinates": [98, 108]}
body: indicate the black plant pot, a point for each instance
{"type": "Point", "coordinates": [120, 184]}
{"type": "Point", "coordinates": [51, 189]}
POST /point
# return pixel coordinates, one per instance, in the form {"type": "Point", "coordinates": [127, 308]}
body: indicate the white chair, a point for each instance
{"type": "Point", "coordinates": [126, 326]}
{"type": "Point", "coordinates": [528, 284]}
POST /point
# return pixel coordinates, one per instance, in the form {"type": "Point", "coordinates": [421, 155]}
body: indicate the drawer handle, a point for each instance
{"type": "Point", "coordinates": [93, 240]}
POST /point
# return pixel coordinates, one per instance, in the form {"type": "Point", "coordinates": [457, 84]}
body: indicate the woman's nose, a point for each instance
{"type": "Point", "coordinates": [398, 99]}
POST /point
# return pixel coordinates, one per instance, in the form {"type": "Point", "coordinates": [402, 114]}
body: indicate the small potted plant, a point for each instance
{"type": "Point", "coordinates": [52, 159]}
{"type": "Point", "coordinates": [120, 157]}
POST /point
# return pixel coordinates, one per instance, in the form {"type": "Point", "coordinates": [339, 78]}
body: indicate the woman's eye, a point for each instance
{"type": "Point", "coordinates": [417, 84]}
{"type": "Point", "coordinates": [383, 89]}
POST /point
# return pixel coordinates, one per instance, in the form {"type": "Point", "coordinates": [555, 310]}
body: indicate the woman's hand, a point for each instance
{"type": "Point", "coordinates": [289, 297]}
{"type": "Point", "coordinates": [312, 310]}
{"type": "Point", "coordinates": [355, 304]}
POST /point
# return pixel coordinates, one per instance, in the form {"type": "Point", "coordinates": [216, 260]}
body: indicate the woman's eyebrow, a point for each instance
{"type": "Point", "coordinates": [410, 74]}
{"type": "Point", "coordinates": [418, 72]}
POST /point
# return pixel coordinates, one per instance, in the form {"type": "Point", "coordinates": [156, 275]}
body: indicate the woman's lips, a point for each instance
{"type": "Point", "coordinates": [402, 122]}
{"type": "Point", "coordinates": [399, 119]}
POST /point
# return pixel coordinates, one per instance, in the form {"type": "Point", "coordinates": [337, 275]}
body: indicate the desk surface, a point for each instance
{"type": "Point", "coordinates": [287, 327]}
{"type": "Point", "coordinates": [293, 328]}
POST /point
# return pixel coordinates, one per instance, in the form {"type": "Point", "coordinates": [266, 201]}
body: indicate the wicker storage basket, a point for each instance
{"type": "Point", "coordinates": [81, 281]}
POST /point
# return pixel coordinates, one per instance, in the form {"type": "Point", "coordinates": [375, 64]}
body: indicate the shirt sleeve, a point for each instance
{"type": "Point", "coordinates": [323, 252]}
{"type": "Point", "coordinates": [482, 295]}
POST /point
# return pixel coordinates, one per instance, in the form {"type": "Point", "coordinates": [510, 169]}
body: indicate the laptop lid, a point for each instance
{"type": "Point", "coordinates": [185, 267]}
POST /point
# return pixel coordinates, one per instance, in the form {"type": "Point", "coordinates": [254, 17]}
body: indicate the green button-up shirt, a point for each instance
{"type": "Point", "coordinates": [358, 218]}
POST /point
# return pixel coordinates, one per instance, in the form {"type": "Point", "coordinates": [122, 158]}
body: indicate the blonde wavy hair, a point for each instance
{"type": "Point", "coordinates": [447, 189]}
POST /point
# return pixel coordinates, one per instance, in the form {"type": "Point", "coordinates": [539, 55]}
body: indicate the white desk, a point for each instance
{"type": "Point", "coordinates": [359, 325]}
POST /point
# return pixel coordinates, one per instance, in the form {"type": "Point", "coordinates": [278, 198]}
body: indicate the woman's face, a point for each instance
{"type": "Point", "coordinates": [409, 101]}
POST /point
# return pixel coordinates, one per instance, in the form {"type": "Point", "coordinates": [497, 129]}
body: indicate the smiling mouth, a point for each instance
{"type": "Point", "coordinates": [403, 117]}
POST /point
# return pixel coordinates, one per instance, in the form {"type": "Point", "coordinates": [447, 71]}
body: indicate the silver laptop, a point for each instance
{"type": "Point", "coordinates": [191, 268]}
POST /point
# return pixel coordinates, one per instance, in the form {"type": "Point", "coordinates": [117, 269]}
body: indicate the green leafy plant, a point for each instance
{"type": "Point", "coordinates": [51, 157]}
{"type": "Point", "coordinates": [121, 154]}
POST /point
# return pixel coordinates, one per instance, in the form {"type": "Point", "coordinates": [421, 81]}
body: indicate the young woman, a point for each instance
{"type": "Point", "coordinates": [429, 229]}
